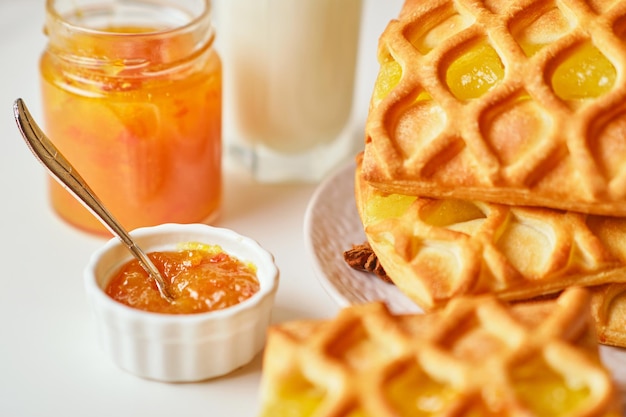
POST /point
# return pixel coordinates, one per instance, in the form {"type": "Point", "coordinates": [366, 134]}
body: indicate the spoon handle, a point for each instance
{"type": "Point", "coordinates": [63, 171]}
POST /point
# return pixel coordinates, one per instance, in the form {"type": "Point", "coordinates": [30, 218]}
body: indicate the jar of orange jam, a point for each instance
{"type": "Point", "coordinates": [132, 96]}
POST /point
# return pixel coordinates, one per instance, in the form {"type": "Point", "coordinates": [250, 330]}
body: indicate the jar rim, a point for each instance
{"type": "Point", "coordinates": [196, 19]}
{"type": "Point", "coordinates": [113, 38]}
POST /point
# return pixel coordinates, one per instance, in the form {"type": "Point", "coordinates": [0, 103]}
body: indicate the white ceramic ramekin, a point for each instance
{"type": "Point", "coordinates": [188, 347]}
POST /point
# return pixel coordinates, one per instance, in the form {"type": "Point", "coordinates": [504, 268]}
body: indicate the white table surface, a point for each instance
{"type": "Point", "coordinates": [50, 362]}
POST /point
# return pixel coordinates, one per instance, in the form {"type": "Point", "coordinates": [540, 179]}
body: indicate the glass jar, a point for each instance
{"type": "Point", "coordinates": [132, 96]}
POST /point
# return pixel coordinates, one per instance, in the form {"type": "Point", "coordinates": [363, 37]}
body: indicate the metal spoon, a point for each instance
{"type": "Point", "coordinates": [64, 172]}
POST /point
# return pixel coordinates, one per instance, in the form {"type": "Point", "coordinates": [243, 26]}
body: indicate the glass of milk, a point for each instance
{"type": "Point", "coordinates": [289, 69]}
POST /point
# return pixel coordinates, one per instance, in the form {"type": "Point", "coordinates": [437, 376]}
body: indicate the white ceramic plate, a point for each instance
{"type": "Point", "coordinates": [332, 226]}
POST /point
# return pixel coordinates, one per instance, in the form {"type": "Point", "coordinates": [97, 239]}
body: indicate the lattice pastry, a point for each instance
{"type": "Point", "coordinates": [437, 249]}
{"type": "Point", "coordinates": [477, 357]}
{"type": "Point", "coordinates": [515, 102]}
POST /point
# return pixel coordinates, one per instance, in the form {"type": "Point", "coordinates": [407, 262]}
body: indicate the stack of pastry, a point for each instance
{"type": "Point", "coordinates": [476, 357]}
{"type": "Point", "coordinates": [495, 155]}
{"type": "Point", "coordinates": [490, 189]}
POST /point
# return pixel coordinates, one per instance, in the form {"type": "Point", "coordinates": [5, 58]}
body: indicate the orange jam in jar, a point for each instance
{"type": "Point", "coordinates": [132, 96]}
{"type": "Point", "coordinates": [200, 277]}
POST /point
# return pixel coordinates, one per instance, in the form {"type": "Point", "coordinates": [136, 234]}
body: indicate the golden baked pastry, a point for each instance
{"type": "Point", "coordinates": [436, 249]}
{"type": "Point", "coordinates": [608, 308]}
{"type": "Point", "coordinates": [477, 357]}
{"type": "Point", "coordinates": [515, 102]}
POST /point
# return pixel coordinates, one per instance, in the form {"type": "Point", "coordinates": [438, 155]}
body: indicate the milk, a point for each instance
{"type": "Point", "coordinates": [289, 68]}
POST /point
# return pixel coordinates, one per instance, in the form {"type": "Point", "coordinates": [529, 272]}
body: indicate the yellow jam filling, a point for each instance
{"type": "Point", "coordinates": [385, 207]}
{"type": "Point", "coordinates": [413, 393]}
{"type": "Point", "coordinates": [296, 397]}
{"type": "Point", "coordinates": [586, 73]}
{"type": "Point", "coordinates": [547, 393]}
{"type": "Point", "coordinates": [448, 212]}
{"type": "Point", "coordinates": [300, 404]}
{"type": "Point", "coordinates": [475, 72]}
{"type": "Point", "coordinates": [388, 78]}
{"type": "Point", "coordinates": [301, 400]}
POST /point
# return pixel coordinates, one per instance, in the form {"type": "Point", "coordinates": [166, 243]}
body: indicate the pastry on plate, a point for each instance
{"type": "Point", "coordinates": [478, 356]}
{"type": "Point", "coordinates": [514, 102]}
{"type": "Point", "coordinates": [437, 249]}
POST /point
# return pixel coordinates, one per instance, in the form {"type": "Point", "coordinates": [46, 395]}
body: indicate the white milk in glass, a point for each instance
{"type": "Point", "coordinates": [289, 69]}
